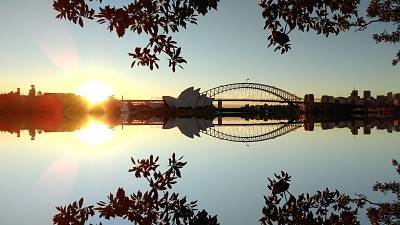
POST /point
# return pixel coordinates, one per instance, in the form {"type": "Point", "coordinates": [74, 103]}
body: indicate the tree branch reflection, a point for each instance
{"type": "Point", "coordinates": [158, 206]}
{"type": "Point", "coordinates": [326, 206]}
{"type": "Point", "coordinates": [155, 206]}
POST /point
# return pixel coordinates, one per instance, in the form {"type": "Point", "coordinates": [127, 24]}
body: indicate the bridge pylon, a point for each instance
{"type": "Point", "coordinates": [220, 104]}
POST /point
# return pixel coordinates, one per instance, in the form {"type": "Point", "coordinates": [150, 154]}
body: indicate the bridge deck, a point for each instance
{"type": "Point", "coordinates": [255, 100]}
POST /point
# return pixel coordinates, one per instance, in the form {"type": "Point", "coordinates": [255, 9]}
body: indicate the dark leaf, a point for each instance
{"type": "Point", "coordinates": [80, 22]}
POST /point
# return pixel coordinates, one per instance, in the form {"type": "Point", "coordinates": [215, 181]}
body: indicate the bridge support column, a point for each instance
{"type": "Point", "coordinates": [219, 120]}
{"type": "Point", "coordinates": [219, 104]}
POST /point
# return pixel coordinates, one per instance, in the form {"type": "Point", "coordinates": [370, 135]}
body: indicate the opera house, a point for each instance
{"type": "Point", "coordinates": [189, 98]}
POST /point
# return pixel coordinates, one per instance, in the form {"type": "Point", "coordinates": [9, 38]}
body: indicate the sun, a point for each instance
{"type": "Point", "coordinates": [95, 91]}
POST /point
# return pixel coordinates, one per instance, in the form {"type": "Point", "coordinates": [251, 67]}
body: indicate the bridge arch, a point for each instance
{"type": "Point", "coordinates": [279, 94]}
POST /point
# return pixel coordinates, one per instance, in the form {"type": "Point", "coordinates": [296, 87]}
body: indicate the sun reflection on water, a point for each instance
{"type": "Point", "coordinates": [95, 133]}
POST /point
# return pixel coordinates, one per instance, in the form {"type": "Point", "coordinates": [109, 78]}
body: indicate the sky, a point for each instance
{"type": "Point", "coordinates": [227, 46]}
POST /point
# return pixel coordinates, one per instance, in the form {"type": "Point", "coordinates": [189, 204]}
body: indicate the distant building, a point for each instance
{"type": "Point", "coordinates": [309, 98]}
{"type": "Point", "coordinates": [341, 100]}
{"type": "Point", "coordinates": [327, 99]}
{"type": "Point", "coordinates": [367, 94]}
{"type": "Point", "coordinates": [32, 91]}
{"type": "Point", "coordinates": [390, 95]}
{"type": "Point", "coordinates": [381, 99]}
{"type": "Point", "coordinates": [354, 94]}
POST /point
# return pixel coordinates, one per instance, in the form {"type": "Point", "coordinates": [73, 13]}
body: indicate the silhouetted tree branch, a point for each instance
{"type": "Point", "coordinates": [155, 18]}
{"type": "Point", "coordinates": [155, 206]}
{"type": "Point", "coordinates": [159, 18]}
{"type": "Point", "coordinates": [328, 17]}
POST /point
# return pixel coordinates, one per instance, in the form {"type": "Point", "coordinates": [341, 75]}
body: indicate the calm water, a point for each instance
{"type": "Point", "coordinates": [227, 178]}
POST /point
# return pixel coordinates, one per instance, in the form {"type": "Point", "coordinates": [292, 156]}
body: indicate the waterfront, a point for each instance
{"type": "Point", "coordinates": [55, 162]}
{"type": "Point", "coordinates": [228, 179]}
{"type": "Point", "coordinates": [84, 149]}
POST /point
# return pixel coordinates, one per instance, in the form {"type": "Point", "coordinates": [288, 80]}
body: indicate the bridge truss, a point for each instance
{"type": "Point", "coordinates": [251, 132]}
{"type": "Point", "coordinates": [251, 92]}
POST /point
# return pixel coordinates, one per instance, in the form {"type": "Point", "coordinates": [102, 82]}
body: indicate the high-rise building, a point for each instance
{"type": "Point", "coordinates": [354, 94]}
{"type": "Point", "coordinates": [367, 94]}
{"type": "Point", "coordinates": [390, 96]}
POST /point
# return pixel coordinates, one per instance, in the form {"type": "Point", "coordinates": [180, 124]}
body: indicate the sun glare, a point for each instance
{"type": "Point", "coordinates": [95, 91]}
{"type": "Point", "coordinates": [95, 133]}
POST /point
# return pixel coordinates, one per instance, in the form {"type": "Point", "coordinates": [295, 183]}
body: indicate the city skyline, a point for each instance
{"type": "Point", "coordinates": [228, 45]}
{"type": "Point", "coordinates": [352, 94]}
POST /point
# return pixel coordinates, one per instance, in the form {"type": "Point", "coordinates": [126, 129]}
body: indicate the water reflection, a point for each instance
{"type": "Point", "coordinates": [86, 124]}
{"type": "Point", "coordinates": [38, 123]}
{"type": "Point", "coordinates": [157, 206]}
{"type": "Point", "coordinates": [97, 128]}
{"type": "Point", "coordinates": [227, 178]}
{"type": "Point", "coordinates": [154, 206]}
{"type": "Point", "coordinates": [95, 133]}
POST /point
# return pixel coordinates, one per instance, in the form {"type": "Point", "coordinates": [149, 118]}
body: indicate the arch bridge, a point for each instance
{"type": "Point", "coordinates": [251, 132]}
{"type": "Point", "coordinates": [251, 92]}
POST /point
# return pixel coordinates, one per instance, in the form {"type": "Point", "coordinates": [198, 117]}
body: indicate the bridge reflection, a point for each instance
{"type": "Point", "coordinates": [251, 132]}
{"type": "Point", "coordinates": [232, 128]}
{"type": "Point", "coordinates": [243, 129]}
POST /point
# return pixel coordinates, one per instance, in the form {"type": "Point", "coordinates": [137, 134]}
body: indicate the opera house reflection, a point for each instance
{"type": "Point", "coordinates": [235, 128]}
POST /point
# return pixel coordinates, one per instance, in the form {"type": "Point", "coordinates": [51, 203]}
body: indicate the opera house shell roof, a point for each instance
{"type": "Point", "coordinates": [188, 98]}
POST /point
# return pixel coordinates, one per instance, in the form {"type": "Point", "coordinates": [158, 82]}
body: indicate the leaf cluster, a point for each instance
{"type": "Point", "coordinates": [386, 213]}
{"type": "Point", "coordinates": [386, 11]}
{"type": "Point", "coordinates": [323, 16]}
{"type": "Point", "coordinates": [155, 206]}
{"type": "Point", "coordinates": [327, 17]}
{"type": "Point", "coordinates": [74, 213]}
{"type": "Point", "coordinates": [325, 207]}
{"type": "Point", "coordinates": [280, 186]}
{"type": "Point", "coordinates": [328, 207]}
{"type": "Point", "coordinates": [155, 18]}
